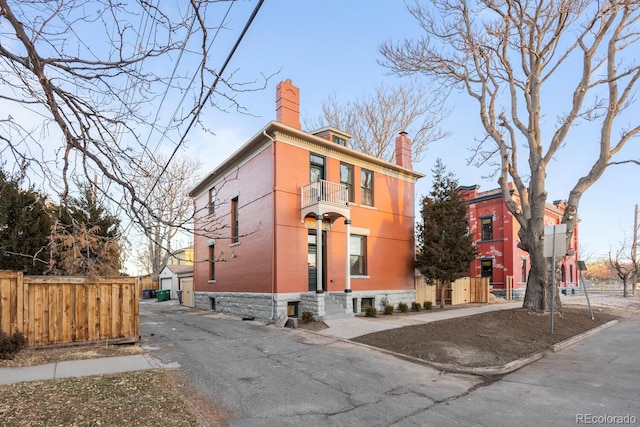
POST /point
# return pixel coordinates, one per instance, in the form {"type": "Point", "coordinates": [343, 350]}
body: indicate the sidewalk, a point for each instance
{"type": "Point", "coordinates": [345, 328]}
{"type": "Point", "coordinates": [78, 368]}
{"type": "Point", "coordinates": [352, 327]}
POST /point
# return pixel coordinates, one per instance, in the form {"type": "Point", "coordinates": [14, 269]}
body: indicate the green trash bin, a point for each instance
{"type": "Point", "coordinates": [163, 295]}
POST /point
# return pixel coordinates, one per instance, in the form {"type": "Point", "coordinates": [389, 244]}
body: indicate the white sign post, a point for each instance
{"type": "Point", "coordinates": [555, 244]}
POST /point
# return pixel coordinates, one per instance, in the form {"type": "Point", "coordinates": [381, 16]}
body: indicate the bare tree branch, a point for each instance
{"type": "Point", "coordinates": [376, 120]}
{"type": "Point", "coordinates": [511, 56]}
{"type": "Point", "coordinates": [90, 84]}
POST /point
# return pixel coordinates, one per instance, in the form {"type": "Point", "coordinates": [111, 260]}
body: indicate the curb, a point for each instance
{"type": "Point", "coordinates": [485, 371]}
{"type": "Point", "coordinates": [569, 341]}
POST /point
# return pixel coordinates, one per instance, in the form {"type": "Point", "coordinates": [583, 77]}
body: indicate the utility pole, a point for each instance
{"type": "Point", "coordinates": [634, 248]}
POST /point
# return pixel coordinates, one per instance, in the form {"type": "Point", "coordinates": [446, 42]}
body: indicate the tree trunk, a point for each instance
{"type": "Point", "coordinates": [443, 292]}
{"type": "Point", "coordinates": [539, 288]}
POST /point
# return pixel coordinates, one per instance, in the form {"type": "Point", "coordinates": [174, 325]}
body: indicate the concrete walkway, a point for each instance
{"type": "Point", "coordinates": [339, 328]}
{"type": "Point", "coordinates": [355, 326]}
{"type": "Point", "coordinates": [78, 368]}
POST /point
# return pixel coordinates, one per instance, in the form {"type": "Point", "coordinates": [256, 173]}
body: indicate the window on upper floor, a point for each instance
{"type": "Point", "coordinates": [571, 273]}
{"type": "Point", "coordinates": [339, 140]}
{"type": "Point", "coordinates": [346, 178]}
{"type": "Point", "coordinates": [486, 231]}
{"type": "Point", "coordinates": [366, 187]}
{"type": "Point", "coordinates": [212, 200]}
{"type": "Point", "coordinates": [316, 168]}
{"type": "Point", "coordinates": [235, 223]}
{"type": "Point", "coordinates": [212, 262]}
{"type": "Point", "coordinates": [358, 255]}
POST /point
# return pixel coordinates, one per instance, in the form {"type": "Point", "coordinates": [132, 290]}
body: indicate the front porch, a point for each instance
{"type": "Point", "coordinates": [327, 201]}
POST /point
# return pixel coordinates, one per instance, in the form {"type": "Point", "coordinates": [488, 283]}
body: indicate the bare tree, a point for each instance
{"type": "Point", "coordinates": [624, 264]}
{"type": "Point", "coordinates": [170, 207]}
{"type": "Point", "coordinates": [86, 86]}
{"type": "Point", "coordinates": [376, 120]}
{"type": "Point", "coordinates": [508, 56]}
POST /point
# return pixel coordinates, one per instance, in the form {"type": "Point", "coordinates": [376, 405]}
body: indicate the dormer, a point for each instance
{"type": "Point", "coordinates": [334, 135]}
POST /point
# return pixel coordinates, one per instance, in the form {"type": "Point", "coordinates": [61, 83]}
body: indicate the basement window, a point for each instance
{"type": "Point", "coordinates": [366, 302]}
{"type": "Point", "coordinates": [292, 308]}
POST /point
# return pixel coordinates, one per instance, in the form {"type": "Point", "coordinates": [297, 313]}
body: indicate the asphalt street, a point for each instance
{"type": "Point", "coordinates": [270, 376]}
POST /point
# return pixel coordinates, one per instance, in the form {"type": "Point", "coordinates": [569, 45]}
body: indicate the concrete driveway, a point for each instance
{"type": "Point", "coordinates": [285, 377]}
{"type": "Point", "coordinates": [270, 376]}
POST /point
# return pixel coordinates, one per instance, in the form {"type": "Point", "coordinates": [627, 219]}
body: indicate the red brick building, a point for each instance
{"type": "Point", "coordinates": [297, 221]}
{"type": "Point", "coordinates": [495, 232]}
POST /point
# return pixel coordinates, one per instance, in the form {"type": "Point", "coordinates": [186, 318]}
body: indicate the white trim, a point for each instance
{"type": "Point", "coordinates": [332, 152]}
{"type": "Point", "coordinates": [373, 208]}
{"type": "Point", "coordinates": [360, 231]}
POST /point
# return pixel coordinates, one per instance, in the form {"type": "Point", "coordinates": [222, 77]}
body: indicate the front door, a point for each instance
{"type": "Point", "coordinates": [316, 175]}
{"type": "Point", "coordinates": [316, 168]}
{"type": "Point", "coordinates": [312, 260]}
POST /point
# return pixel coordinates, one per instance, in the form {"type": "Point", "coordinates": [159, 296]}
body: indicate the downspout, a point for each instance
{"type": "Point", "coordinates": [274, 264]}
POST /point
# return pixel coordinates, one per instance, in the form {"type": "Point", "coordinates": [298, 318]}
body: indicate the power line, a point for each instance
{"type": "Point", "coordinates": [175, 68]}
{"type": "Point", "coordinates": [208, 95]}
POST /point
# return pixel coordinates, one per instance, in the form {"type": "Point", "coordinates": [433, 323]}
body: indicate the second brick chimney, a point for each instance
{"type": "Point", "coordinates": [288, 104]}
{"type": "Point", "coordinates": [403, 151]}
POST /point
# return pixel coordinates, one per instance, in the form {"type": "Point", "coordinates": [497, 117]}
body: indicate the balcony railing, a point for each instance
{"type": "Point", "coordinates": [325, 192]}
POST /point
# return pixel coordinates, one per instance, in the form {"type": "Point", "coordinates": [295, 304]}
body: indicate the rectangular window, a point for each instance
{"type": "Point", "coordinates": [212, 262]}
{"type": "Point", "coordinates": [316, 168]}
{"type": "Point", "coordinates": [358, 255]}
{"type": "Point", "coordinates": [346, 178]}
{"type": "Point", "coordinates": [339, 140]}
{"type": "Point", "coordinates": [292, 308]}
{"type": "Point", "coordinates": [212, 200]}
{"type": "Point", "coordinates": [571, 273]}
{"type": "Point", "coordinates": [487, 228]}
{"type": "Point", "coordinates": [234, 221]}
{"type": "Point", "coordinates": [524, 270]}
{"type": "Point", "coordinates": [366, 302]}
{"type": "Point", "coordinates": [366, 187]}
{"type": "Point", "coordinates": [486, 268]}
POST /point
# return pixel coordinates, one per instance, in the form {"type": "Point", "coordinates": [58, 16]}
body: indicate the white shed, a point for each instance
{"type": "Point", "coordinates": [170, 276]}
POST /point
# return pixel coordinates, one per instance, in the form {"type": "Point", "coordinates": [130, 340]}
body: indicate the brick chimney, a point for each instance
{"type": "Point", "coordinates": [288, 104]}
{"type": "Point", "coordinates": [403, 151]}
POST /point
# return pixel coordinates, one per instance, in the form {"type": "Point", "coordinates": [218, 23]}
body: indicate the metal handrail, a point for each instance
{"type": "Point", "coordinates": [325, 192]}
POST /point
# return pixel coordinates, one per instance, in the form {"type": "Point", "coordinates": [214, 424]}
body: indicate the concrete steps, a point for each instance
{"type": "Point", "coordinates": [334, 309]}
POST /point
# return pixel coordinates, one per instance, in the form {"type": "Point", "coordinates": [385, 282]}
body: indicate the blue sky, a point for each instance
{"type": "Point", "coordinates": [332, 46]}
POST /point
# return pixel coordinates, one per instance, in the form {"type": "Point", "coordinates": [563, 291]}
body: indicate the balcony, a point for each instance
{"type": "Point", "coordinates": [325, 198]}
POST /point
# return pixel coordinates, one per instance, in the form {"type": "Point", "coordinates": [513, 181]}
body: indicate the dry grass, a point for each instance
{"type": "Point", "coordinates": [30, 356]}
{"type": "Point", "coordinates": [145, 398]}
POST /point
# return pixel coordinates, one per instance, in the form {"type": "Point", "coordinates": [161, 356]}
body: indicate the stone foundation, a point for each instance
{"type": "Point", "coordinates": [269, 308]}
{"type": "Point", "coordinates": [517, 294]}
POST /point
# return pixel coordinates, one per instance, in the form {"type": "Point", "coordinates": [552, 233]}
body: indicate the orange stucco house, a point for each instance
{"type": "Point", "coordinates": [297, 221]}
{"type": "Point", "coordinates": [495, 233]}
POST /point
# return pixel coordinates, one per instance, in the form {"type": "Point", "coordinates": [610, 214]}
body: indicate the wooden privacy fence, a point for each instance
{"type": "Point", "coordinates": [61, 310]}
{"type": "Point", "coordinates": [462, 291]}
{"type": "Point", "coordinates": [146, 282]}
{"type": "Point", "coordinates": [424, 292]}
